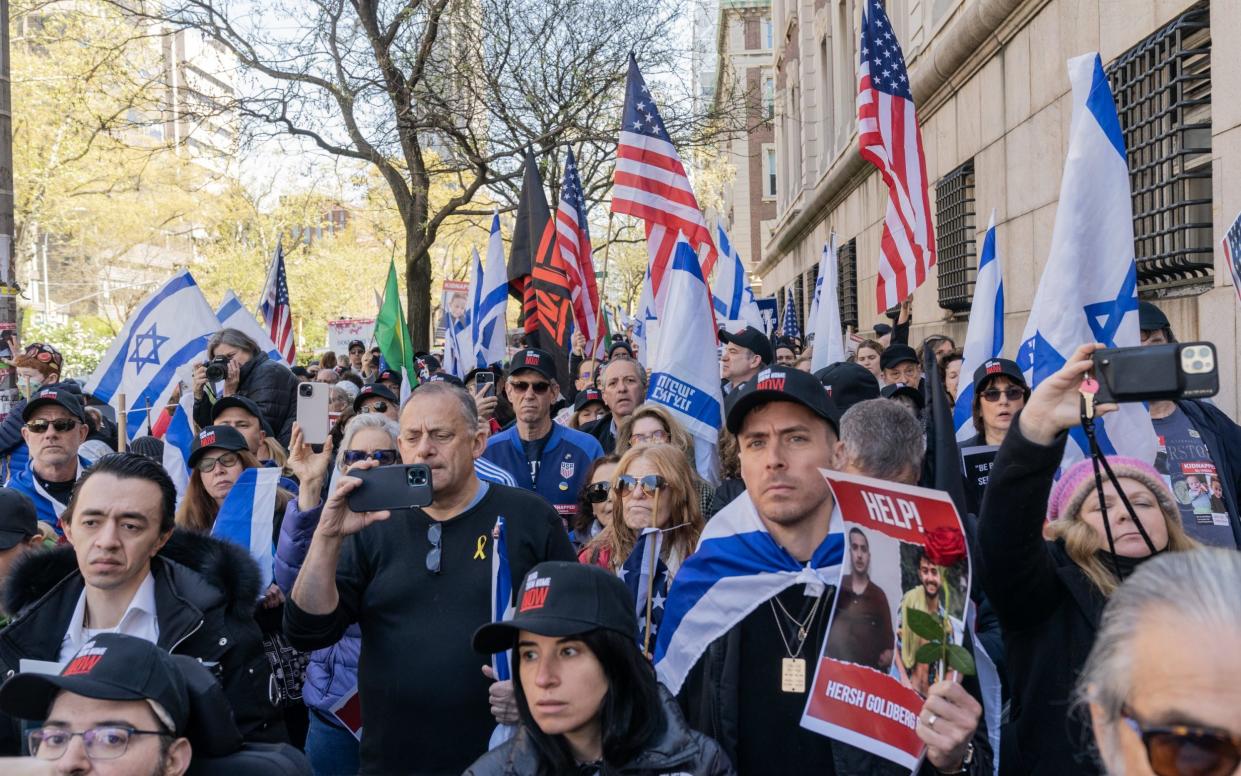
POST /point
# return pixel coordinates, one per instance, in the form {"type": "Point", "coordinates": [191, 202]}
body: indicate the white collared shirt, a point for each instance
{"type": "Point", "coordinates": [139, 620]}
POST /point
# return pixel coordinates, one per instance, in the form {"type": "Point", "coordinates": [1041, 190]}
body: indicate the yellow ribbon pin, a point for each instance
{"type": "Point", "coordinates": [478, 550]}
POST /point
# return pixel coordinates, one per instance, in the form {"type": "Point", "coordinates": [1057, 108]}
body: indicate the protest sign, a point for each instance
{"type": "Point", "coordinates": [454, 303]}
{"type": "Point", "coordinates": [768, 308]}
{"type": "Point", "coordinates": [905, 550]}
{"type": "Point", "coordinates": [340, 333]}
{"type": "Point", "coordinates": [1232, 252]}
{"type": "Point", "coordinates": [976, 463]}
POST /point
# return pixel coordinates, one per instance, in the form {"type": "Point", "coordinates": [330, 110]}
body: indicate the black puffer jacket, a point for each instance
{"type": "Point", "coordinates": [205, 591]}
{"type": "Point", "coordinates": [268, 384]}
{"type": "Point", "coordinates": [678, 750]}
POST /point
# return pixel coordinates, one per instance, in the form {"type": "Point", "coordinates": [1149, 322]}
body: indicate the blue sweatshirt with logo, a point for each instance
{"type": "Point", "coordinates": [566, 457]}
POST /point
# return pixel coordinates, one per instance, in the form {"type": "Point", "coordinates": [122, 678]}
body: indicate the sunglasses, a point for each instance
{"type": "Point", "coordinates": [597, 492]}
{"type": "Point", "coordinates": [385, 457]}
{"type": "Point", "coordinates": [994, 394]}
{"type": "Point", "coordinates": [226, 460]}
{"type": "Point", "coordinates": [649, 484]}
{"type": "Point", "coordinates": [375, 406]}
{"type": "Point", "coordinates": [1181, 750]}
{"type": "Point", "coordinates": [521, 386]}
{"type": "Point", "coordinates": [62, 425]}
{"type": "Point", "coordinates": [44, 354]}
{"type": "Point", "coordinates": [434, 533]}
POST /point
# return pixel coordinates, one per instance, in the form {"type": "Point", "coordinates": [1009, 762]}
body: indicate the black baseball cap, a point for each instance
{"type": "Point", "coordinates": [779, 383]}
{"type": "Point", "coordinates": [586, 396]}
{"type": "Point", "coordinates": [388, 376]}
{"type": "Point", "coordinates": [17, 518]}
{"type": "Point", "coordinates": [444, 377]}
{"type": "Point", "coordinates": [752, 339]}
{"type": "Point", "coordinates": [533, 358]}
{"type": "Point", "coordinates": [356, 343]}
{"type": "Point", "coordinates": [896, 354]}
{"type": "Point", "coordinates": [374, 390]}
{"type": "Point", "coordinates": [882, 329]}
{"type": "Point", "coordinates": [108, 667]}
{"type": "Point", "coordinates": [243, 403]}
{"type": "Point", "coordinates": [847, 384]}
{"type": "Point", "coordinates": [563, 598]}
{"type": "Point", "coordinates": [219, 437]}
{"type": "Point", "coordinates": [893, 390]}
{"type": "Point", "coordinates": [620, 344]}
{"type": "Point", "coordinates": [995, 367]}
{"type": "Point", "coordinates": [71, 402]}
{"type": "Point", "coordinates": [1151, 318]}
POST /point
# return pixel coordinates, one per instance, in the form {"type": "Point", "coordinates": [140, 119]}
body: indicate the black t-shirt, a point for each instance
{"type": "Point", "coordinates": [61, 491]}
{"type": "Point", "coordinates": [772, 740]}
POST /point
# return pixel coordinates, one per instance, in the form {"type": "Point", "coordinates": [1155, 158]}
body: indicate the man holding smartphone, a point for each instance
{"type": "Point", "coordinates": [419, 582]}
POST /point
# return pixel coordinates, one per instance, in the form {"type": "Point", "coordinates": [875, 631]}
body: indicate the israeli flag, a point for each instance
{"type": "Point", "coordinates": [489, 299]}
{"type": "Point", "coordinates": [169, 329]}
{"type": "Point", "coordinates": [824, 320]}
{"type": "Point", "coordinates": [984, 338]}
{"type": "Point", "coordinates": [644, 322]}
{"type": "Point", "coordinates": [458, 345]}
{"type": "Point", "coordinates": [179, 443]}
{"type": "Point", "coordinates": [646, 576]}
{"type": "Point", "coordinates": [501, 609]}
{"type": "Point", "coordinates": [736, 568]}
{"type": "Point", "coordinates": [247, 518]}
{"type": "Point", "coordinates": [731, 294]}
{"type": "Point", "coordinates": [685, 373]}
{"type": "Point", "coordinates": [1088, 292]}
{"type": "Point", "coordinates": [234, 315]}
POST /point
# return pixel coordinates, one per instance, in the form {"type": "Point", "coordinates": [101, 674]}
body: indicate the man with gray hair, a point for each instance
{"type": "Point", "coordinates": [623, 383]}
{"type": "Point", "coordinates": [1163, 679]}
{"type": "Point", "coordinates": [418, 582]}
{"type": "Point", "coordinates": [879, 438]}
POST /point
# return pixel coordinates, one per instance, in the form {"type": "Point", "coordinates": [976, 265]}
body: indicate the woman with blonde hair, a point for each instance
{"type": "Point", "coordinates": [651, 424]}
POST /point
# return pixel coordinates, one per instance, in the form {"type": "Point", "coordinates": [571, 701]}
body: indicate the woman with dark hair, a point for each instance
{"type": "Point", "coordinates": [249, 372]}
{"type": "Point", "coordinates": [594, 504]}
{"type": "Point", "coordinates": [1000, 391]}
{"type": "Point", "coordinates": [950, 372]}
{"type": "Point", "coordinates": [587, 697]}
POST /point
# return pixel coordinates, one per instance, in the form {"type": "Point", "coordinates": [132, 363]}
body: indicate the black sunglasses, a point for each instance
{"type": "Point", "coordinates": [375, 406]}
{"type": "Point", "coordinates": [649, 483]}
{"type": "Point", "coordinates": [521, 386]}
{"type": "Point", "coordinates": [40, 425]}
{"type": "Point", "coordinates": [206, 465]}
{"type": "Point", "coordinates": [994, 394]}
{"type": "Point", "coordinates": [1182, 750]}
{"type": "Point", "coordinates": [597, 492]}
{"type": "Point", "coordinates": [385, 457]}
{"type": "Point", "coordinates": [434, 533]}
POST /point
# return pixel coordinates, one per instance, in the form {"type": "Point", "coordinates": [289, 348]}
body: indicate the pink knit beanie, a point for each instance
{"type": "Point", "coordinates": [1078, 482]}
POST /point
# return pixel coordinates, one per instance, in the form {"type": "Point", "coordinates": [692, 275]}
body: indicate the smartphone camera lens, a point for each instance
{"type": "Point", "coordinates": [305, 389]}
{"type": "Point", "coordinates": [417, 478]}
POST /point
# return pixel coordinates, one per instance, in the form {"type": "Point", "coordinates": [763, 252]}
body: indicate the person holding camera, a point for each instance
{"type": "Point", "coordinates": [418, 582]}
{"type": "Point", "coordinates": [236, 361]}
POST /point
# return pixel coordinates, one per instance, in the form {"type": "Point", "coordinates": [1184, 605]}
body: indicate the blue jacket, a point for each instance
{"type": "Point", "coordinates": [566, 458]}
{"type": "Point", "coordinates": [45, 508]}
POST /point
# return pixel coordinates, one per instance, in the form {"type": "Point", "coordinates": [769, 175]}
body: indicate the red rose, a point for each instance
{"type": "Point", "coordinates": [945, 546]}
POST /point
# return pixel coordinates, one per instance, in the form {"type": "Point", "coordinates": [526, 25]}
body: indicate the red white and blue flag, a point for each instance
{"type": "Point", "coordinates": [274, 308]}
{"type": "Point", "coordinates": [889, 138]}
{"type": "Point", "coordinates": [573, 243]}
{"type": "Point", "coordinates": [651, 184]}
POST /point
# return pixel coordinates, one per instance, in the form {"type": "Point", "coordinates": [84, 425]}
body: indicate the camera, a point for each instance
{"type": "Point", "coordinates": [217, 369]}
{"type": "Point", "coordinates": [418, 477]}
{"type": "Point", "coordinates": [305, 389]}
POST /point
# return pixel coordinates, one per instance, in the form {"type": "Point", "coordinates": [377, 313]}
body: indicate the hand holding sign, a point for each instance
{"type": "Point", "coordinates": [947, 723]}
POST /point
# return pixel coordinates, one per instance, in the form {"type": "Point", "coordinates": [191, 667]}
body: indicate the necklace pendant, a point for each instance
{"type": "Point", "coordinates": [793, 674]}
{"type": "Point", "coordinates": [801, 633]}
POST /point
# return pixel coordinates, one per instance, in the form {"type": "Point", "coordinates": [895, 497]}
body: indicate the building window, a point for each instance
{"type": "Point", "coordinates": [769, 98]}
{"type": "Point", "coordinates": [1163, 97]}
{"type": "Point", "coordinates": [846, 286]}
{"type": "Point", "coordinates": [769, 171]}
{"type": "Point", "coordinates": [809, 278]}
{"type": "Point", "coordinates": [954, 239]}
{"type": "Point", "coordinates": [767, 35]}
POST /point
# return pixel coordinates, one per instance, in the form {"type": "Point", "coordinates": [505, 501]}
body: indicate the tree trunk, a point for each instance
{"type": "Point", "coordinates": [418, 287]}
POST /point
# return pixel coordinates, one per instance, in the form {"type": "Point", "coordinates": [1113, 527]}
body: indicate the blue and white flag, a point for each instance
{"type": "Point", "coordinates": [489, 301]}
{"type": "Point", "coordinates": [685, 372]}
{"type": "Point", "coordinates": [731, 293]}
{"type": "Point", "coordinates": [501, 609]}
{"type": "Point", "coordinates": [644, 321]}
{"type": "Point", "coordinates": [1088, 292]}
{"type": "Point", "coordinates": [984, 339]}
{"type": "Point", "coordinates": [234, 315]}
{"type": "Point", "coordinates": [789, 326]}
{"type": "Point", "coordinates": [168, 330]}
{"type": "Point", "coordinates": [824, 320]}
{"type": "Point", "coordinates": [247, 518]}
{"type": "Point", "coordinates": [646, 576]}
{"type": "Point", "coordinates": [458, 336]}
{"type": "Point", "coordinates": [179, 443]}
{"type": "Point", "coordinates": [736, 568]}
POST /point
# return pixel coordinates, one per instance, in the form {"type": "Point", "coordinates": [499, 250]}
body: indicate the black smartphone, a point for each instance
{"type": "Point", "coordinates": [1177, 370]}
{"type": "Point", "coordinates": [392, 487]}
{"type": "Point", "coordinates": [486, 382]}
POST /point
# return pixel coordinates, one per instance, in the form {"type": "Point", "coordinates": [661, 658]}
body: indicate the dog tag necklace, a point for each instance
{"type": "Point", "coordinates": [793, 667]}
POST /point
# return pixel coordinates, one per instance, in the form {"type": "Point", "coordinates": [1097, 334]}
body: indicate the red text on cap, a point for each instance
{"type": "Point", "coordinates": [532, 359]}
{"type": "Point", "coordinates": [206, 438]}
{"type": "Point", "coordinates": [535, 595]}
{"type": "Point", "coordinates": [993, 367]}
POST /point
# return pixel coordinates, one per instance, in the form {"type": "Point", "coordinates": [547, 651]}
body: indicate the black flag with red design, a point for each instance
{"type": "Point", "coordinates": [533, 216]}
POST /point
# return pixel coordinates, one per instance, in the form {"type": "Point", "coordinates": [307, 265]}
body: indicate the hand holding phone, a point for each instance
{"type": "Point", "coordinates": [485, 383]}
{"type": "Point", "coordinates": [402, 486]}
{"type": "Point", "coordinates": [312, 412]}
{"type": "Point", "coordinates": [1176, 370]}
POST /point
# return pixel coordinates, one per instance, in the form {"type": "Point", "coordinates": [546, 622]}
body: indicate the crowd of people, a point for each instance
{"type": "Point", "coordinates": [135, 641]}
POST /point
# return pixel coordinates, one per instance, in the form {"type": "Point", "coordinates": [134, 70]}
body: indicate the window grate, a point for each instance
{"type": "Point", "coordinates": [846, 291]}
{"type": "Point", "coordinates": [810, 277]}
{"type": "Point", "coordinates": [954, 227]}
{"type": "Point", "coordinates": [1163, 96]}
{"type": "Point", "coordinates": [799, 307]}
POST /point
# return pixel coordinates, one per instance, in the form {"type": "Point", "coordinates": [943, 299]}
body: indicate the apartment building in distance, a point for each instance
{"type": "Point", "coordinates": [991, 87]}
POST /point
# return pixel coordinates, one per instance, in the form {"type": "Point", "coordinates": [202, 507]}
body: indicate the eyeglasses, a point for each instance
{"type": "Point", "coordinates": [375, 406]}
{"type": "Point", "coordinates": [226, 460]}
{"type": "Point", "coordinates": [597, 492]}
{"type": "Point", "coordinates": [434, 534]}
{"type": "Point", "coordinates": [1181, 750]}
{"type": "Point", "coordinates": [521, 386]}
{"type": "Point", "coordinates": [106, 742]}
{"type": "Point", "coordinates": [385, 457]}
{"type": "Point", "coordinates": [994, 394]}
{"type": "Point", "coordinates": [41, 425]}
{"type": "Point", "coordinates": [657, 437]}
{"type": "Point", "coordinates": [649, 484]}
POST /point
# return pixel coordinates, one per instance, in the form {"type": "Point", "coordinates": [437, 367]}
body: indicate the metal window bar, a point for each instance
{"type": "Point", "coordinates": [846, 290]}
{"type": "Point", "coordinates": [1163, 96]}
{"type": "Point", "coordinates": [955, 239]}
{"type": "Point", "coordinates": [811, 276]}
{"type": "Point", "coordinates": [799, 308]}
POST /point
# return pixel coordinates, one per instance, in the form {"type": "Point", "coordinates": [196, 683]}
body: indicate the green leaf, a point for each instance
{"type": "Point", "coordinates": [960, 659]}
{"type": "Point", "coordinates": [923, 624]}
{"type": "Point", "coordinates": [930, 652]}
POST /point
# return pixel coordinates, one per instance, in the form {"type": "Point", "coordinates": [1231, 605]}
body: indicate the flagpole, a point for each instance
{"type": "Point", "coordinates": [122, 423]}
{"type": "Point", "coordinates": [607, 249]}
{"type": "Point", "coordinates": [650, 585]}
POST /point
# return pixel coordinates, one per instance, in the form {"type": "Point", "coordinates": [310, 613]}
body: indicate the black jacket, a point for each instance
{"type": "Point", "coordinates": [678, 750]}
{"type": "Point", "coordinates": [268, 384]}
{"type": "Point", "coordinates": [205, 591]}
{"type": "Point", "coordinates": [1048, 610]}
{"type": "Point", "coordinates": [601, 429]}
{"type": "Point", "coordinates": [1223, 438]}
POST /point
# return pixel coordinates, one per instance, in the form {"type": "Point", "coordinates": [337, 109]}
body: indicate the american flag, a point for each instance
{"type": "Point", "coordinates": [889, 138]}
{"type": "Point", "coordinates": [573, 244]}
{"type": "Point", "coordinates": [1232, 252]}
{"type": "Point", "coordinates": [275, 310]}
{"type": "Point", "coordinates": [790, 327]}
{"type": "Point", "coordinates": [651, 184]}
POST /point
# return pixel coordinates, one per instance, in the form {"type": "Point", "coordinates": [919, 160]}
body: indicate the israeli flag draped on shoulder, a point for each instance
{"type": "Point", "coordinates": [1088, 292]}
{"type": "Point", "coordinates": [247, 518]}
{"type": "Point", "coordinates": [730, 293]}
{"type": "Point", "coordinates": [824, 318]}
{"type": "Point", "coordinates": [488, 325]}
{"type": "Point", "coordinates": [736, 568]}
{"type": "Point", "coordinates": [685, 373]}
{"type": "Point", "coordinates": [984, 339]}
{"type": "Point", "coordinates": [233, 315]}
{"type": "Point", "coordinates": [168, 330]}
